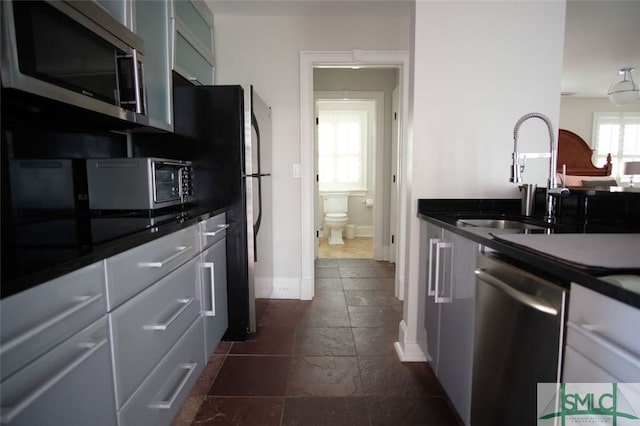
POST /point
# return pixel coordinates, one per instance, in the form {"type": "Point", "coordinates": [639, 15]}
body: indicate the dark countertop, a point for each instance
{"type": "Point", "coordinates": [46, 246]}
{"type": "Point", "coordinates": [445, 213]}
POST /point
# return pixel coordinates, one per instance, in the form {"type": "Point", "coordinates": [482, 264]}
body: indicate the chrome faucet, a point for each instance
{"type": "Point", "coordinates": [517, 167]}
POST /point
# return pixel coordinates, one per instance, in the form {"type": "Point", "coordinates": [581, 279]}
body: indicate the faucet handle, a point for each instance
{"type": "Point", "coordinates": [558, 191]}
{"type": "Point", "coordinates": [516, 168]}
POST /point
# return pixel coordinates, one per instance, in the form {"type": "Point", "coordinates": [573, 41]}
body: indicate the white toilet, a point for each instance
{"type": "Point", "coordinates": [335, 205]}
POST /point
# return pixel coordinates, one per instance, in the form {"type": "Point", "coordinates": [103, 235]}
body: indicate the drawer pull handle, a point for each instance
{"type": "Point", "coordinates": [81, 303]}
{"type": "Point", "coordinates": [163, 326]}
{"type": "Point", "coordinates": [161, 264]}
{"type": "Point", "coordinates": [586, 331]}
{"type": "Point", "coordinates": [166, 405]}
{"type": "Point", "coordinates": [9, 413]}
{"type": "Point", "coordinates": [211, 267]}
{"type": "Point", "coordinates": [214, 233]}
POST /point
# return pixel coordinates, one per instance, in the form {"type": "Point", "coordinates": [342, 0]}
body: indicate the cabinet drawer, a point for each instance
{"type": "Point", "coordinates": [212, 230]}
{"type": "Point", "coordinates": [37, 319]}
{"type": "Point", "coordinates": [70, 385]}
{"type": "Point", "coordinates": [579, 369]}
{"type": "Point", "coordinates": [134, 270]}
{"type": "Point", "coordinates": [145, 327]}
{"type": "Point", "coordinates": [604, 353]}
{"type": "Point", "coordinates": [158, 399]}
{"type": "Point", "coordinates": [610, 319]}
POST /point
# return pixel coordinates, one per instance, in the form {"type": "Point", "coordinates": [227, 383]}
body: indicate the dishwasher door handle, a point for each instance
{"type": "Point", "coordinates": [524, 298]}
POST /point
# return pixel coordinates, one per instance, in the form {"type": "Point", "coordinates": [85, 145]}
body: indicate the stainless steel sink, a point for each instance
{"type": "Point", "coordinates": [497, 224]}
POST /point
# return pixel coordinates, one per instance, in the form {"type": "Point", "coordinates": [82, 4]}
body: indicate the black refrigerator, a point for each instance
{"type": "Point", "coordinates": [231, 126]}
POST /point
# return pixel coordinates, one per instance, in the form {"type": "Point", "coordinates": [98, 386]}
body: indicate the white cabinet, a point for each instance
{"type": "Point", "coordinates": [55, 353]}
{"type": "Point", "coordinates": [146, 327]}
{"type": "Point", "coordinates": [601, 343]}
{"type": "Point", "coordinates": [192, 41]}
{"type": "Point", "coordinates": [132, 271]}
{"type": "Point", "coordinates": [213, 280]}
{"type": "Point", "coordinates": [160, 396]}
{"type": "Point", "coordinates": [121, 341]}
{"type": "Point", "coordinates": [449, 273]}
{"type": "Point", "coordinates": [430, 235]}
{"type": "Point", "coordinates": [455, 363]}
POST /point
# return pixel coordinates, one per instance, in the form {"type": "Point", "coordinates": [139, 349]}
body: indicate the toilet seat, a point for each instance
{"type": "Point", "coordinates": [336, 216]}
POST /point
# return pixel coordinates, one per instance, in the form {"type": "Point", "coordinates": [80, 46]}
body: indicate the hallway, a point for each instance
{"type": "Point", "coordinates": [329, 361]}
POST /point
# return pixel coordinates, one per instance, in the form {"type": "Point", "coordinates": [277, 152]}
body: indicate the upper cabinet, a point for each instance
{"type": "Point", "coordinates": [193, 41]}
{"type": "Point", "coordinates": [119, 9]}
{"type": "Point", "coordinates": [177, 35]}
{"type": "Point", "coordinates": [152, 25]}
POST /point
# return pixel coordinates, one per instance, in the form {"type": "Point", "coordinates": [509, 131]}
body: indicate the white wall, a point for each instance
{"type": "Point", "coordinates": [576, 114]}
{"type": "Point", "coordinates": [265, 51]}
{"type": "Point", "coordinates": [477, 67]}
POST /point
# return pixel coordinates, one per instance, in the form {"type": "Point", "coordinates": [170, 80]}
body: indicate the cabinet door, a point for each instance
{"type": "Point", "coordinates": [193, 41]}
{"type": "Point", "coordinates": [152, 25]}
{"type": "Point", "coordinates": [457, 326]}
{"type": "Point", "coordinates": [70, 385]}
{"type": "Point", "coordinates": [119, 9]}
{"type": "Point", "coordinates": [214, 294]}
{"type": "Point", "coordinates": [430, 236]}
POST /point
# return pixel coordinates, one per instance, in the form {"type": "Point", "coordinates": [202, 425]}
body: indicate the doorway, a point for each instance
{"type": "Point", "coordinates": [349, 141]}
{"type": "Point", "coordinates": [311, 61]}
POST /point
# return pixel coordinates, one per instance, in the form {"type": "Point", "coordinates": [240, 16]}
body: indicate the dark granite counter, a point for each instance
{"type": "Point", "coordinates": [42, 246]}
{"type": "Point", "coordinates": [446, 213]}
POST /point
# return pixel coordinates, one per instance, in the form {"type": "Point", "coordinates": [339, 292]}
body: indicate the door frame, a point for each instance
{"type": "Point", "coordinates": [336, 59]}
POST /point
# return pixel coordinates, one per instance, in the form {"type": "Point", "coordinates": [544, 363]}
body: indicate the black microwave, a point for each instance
{"type": "Point", "coordinates": [74, 52]}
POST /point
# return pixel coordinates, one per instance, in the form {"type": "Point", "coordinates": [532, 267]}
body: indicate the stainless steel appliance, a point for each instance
{"type": "Point", "coordinates": [74, 52]}
{"type": "Point", "coordinates": [232, 127]}
{"type": "Point", "coordinates": [145, 183]}
{"type": "Point", "coordinates": [519, 325]}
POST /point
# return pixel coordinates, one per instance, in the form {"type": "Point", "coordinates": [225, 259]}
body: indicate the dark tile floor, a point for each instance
{"type": "Point", "coordinates": [329, 361]}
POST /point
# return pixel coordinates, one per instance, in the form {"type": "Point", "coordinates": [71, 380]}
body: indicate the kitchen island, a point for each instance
{"type": "Point", "coordinates": [446, 214]}
{"type": "Point", "coordinates": [507, 296]}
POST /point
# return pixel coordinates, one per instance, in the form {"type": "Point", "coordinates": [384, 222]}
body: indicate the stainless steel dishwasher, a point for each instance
{"type": "Point", "coordinates": [519, 325]}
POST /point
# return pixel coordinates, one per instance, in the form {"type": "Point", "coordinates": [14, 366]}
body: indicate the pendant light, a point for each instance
{"type": "Point", "coordinates": [624, 92]}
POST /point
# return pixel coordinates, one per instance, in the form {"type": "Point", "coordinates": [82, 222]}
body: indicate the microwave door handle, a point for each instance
{"type": "Point", "coordinates": [136, 80]}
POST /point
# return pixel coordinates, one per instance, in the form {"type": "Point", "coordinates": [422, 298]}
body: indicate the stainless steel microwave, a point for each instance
{"type": "Point", "coordinates": [74, 52]}
{"type": "Point", "coordinates": [145, 183]}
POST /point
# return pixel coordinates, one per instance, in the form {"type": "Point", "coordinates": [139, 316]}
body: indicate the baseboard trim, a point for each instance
{"type": "Point", "coordinates": [364, 231]}
{"type": "Point", "coordinates": [409, 351]}
{"type": "Point", "coordinates": [278, 288]}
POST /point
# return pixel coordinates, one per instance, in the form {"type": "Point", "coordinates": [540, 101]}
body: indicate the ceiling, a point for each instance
{"type": "Point", "coordinates": [601, 36]}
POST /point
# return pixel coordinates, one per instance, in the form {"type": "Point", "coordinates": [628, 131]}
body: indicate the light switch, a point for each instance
{"type": "Point", "coordinates": [296, 170]}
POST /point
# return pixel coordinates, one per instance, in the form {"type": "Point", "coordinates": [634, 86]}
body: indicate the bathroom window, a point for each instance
{"type": "Point", "coordinates": [345, 130]}
{"type": "Point", "coordinates": [617, 133]}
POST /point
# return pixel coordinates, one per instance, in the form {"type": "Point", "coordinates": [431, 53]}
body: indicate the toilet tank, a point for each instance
{"type": "Point", "coordinates": [335, 202]}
